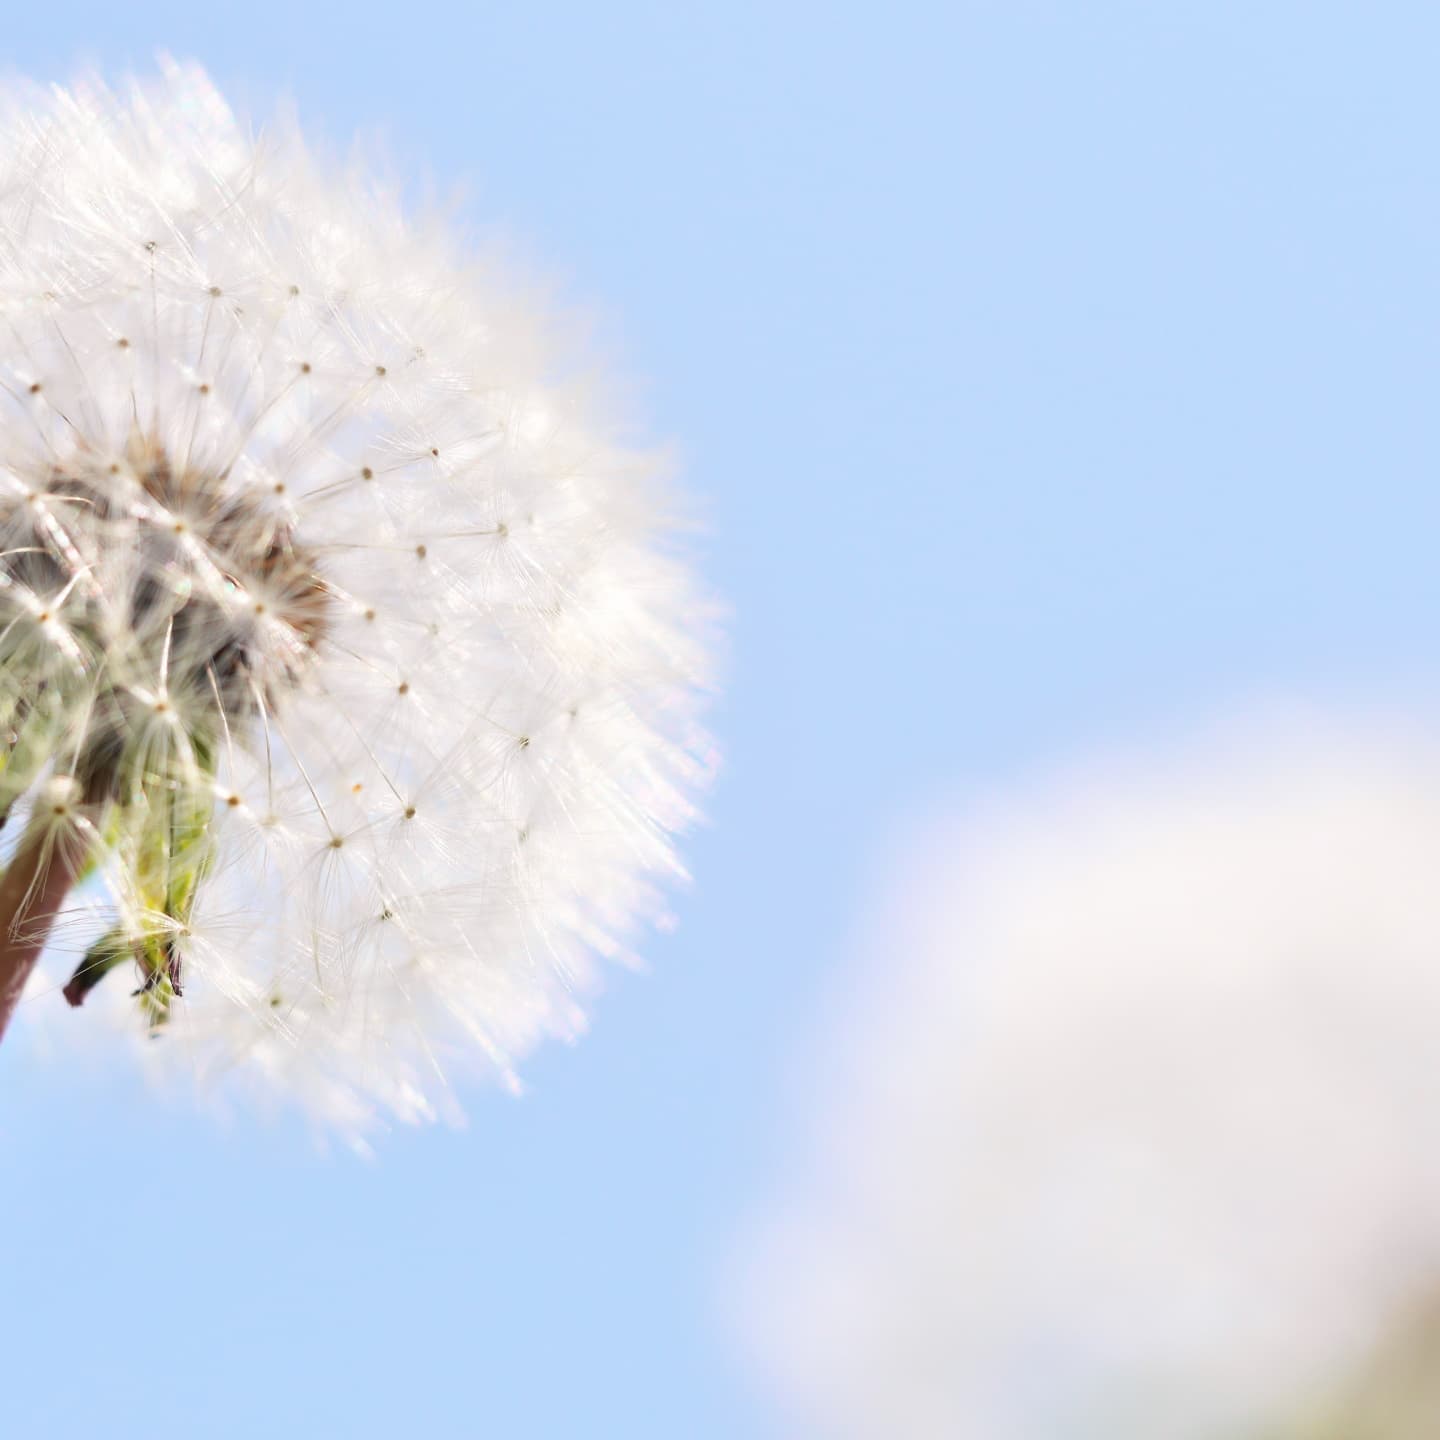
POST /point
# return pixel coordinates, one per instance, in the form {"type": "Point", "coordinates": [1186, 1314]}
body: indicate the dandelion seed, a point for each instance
{"type": "Point", "coordinates": [242, 398]}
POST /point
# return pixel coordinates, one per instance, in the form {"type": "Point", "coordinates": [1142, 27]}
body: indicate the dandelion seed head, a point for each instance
{"type": "Point", "coordinates": [266, 619]}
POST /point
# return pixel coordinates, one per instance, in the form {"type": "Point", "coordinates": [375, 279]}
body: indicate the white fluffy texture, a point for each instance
{"type": "Point", "coordinates": [1134, 1128]}
{"type": "Point", "coordinates": [506, 815]}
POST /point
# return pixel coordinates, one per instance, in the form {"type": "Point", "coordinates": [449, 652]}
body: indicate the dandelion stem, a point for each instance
{"type": "Point", "coordinates": [31, 893]}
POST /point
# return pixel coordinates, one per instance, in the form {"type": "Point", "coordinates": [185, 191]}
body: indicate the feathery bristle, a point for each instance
{"type": "Point", "coordinates": [361, 642]}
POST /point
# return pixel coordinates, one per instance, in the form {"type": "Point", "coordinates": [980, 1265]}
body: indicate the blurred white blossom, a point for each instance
{"type": "Point", "coordinates": [348, 665]}
{"type": "Point", "coordinates": [1131, 1125]}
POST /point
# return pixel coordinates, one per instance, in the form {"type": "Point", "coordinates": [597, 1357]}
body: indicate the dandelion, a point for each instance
{"type": "Point", "coordinates": [1127, 1126]}
{"type": "Point", "coordinates": [348, 681]}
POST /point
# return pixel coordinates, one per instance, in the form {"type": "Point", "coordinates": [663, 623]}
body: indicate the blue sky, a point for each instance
{"type": "Point", "coordinates": [1048, 375]}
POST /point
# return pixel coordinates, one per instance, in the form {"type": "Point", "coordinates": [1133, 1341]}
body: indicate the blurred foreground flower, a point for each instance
{"type": "Point", "coordinates": [1131, 1128]}
{"type": "Point", "coordinates": [348, 686]}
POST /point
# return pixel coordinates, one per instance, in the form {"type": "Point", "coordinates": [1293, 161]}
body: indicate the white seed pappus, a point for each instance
{"type": "Point", "coordinates": [363, 644]}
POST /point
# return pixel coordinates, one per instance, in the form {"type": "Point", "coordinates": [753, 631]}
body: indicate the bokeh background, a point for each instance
{"type": "Point", "coordinates": [1047, 376]}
